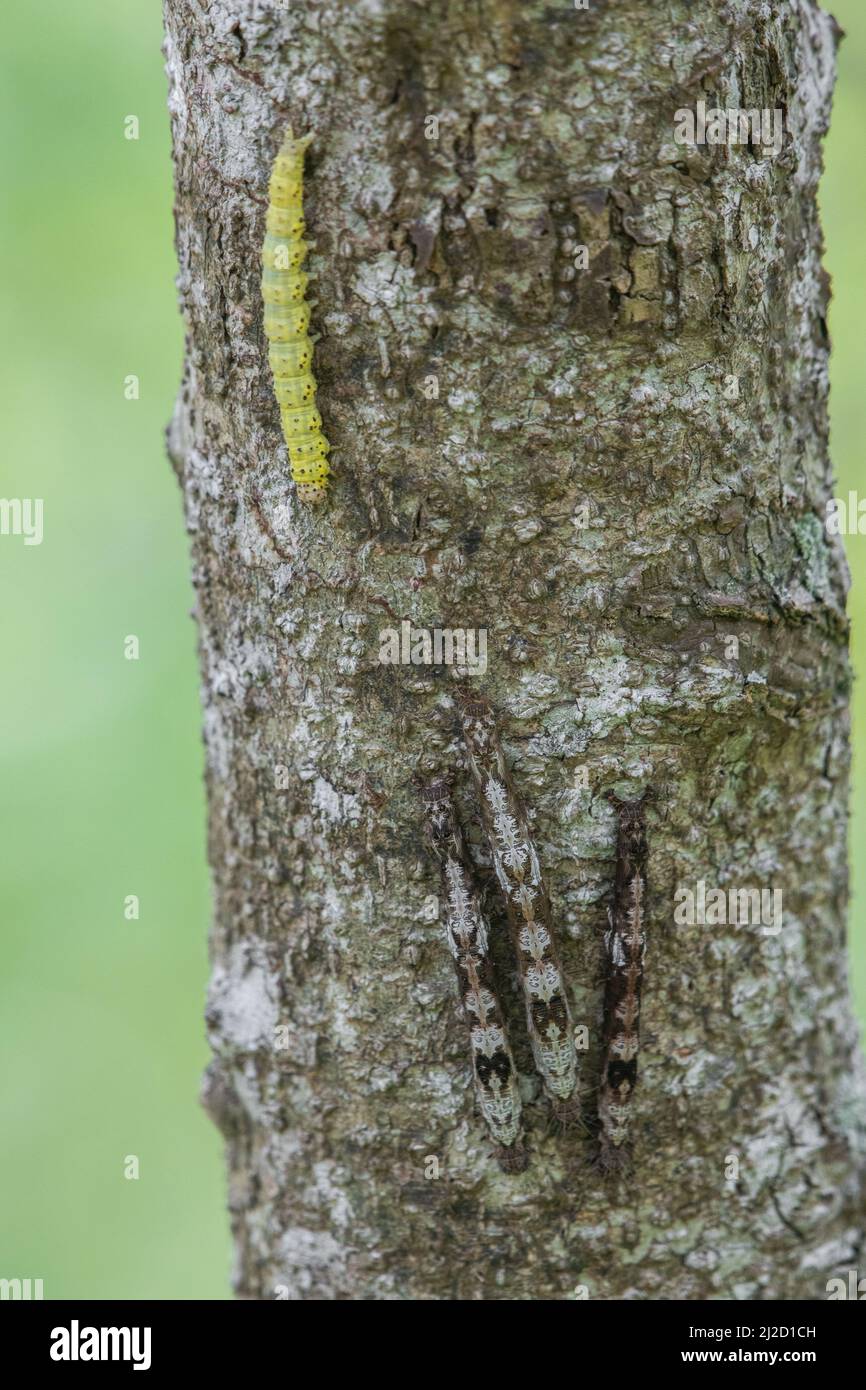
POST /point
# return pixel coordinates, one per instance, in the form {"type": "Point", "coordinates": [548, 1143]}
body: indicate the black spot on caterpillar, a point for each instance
{"type": "Point", "coordinates": [625, 947]}
{"type": "Point", "coordinates": [466, 933]}
{"type": "Point", "coordinates": [287, 318]}
{"type": "Point", "coordinates": [515, 861]}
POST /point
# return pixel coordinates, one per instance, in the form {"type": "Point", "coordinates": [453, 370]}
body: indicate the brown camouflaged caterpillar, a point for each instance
{"type": "Point", "coordinates": [466, 933]}
{"type": "Point", "coordinates": [515, 861]}
{"type": "Point", "coordinates": [625, 947]}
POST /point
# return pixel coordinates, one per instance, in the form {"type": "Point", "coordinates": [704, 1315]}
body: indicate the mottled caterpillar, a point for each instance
{"type": "Point", "coordinates": [515, 861]}
{"type": "Point", "coordinates": [625, 947]}
{"type": "Point", "coordinates": [287, 318]}
{"type": "Point", "coordinates": [496, 1084]}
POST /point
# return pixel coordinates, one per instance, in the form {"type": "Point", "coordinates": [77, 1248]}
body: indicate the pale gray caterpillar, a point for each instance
{"type": "Point", "coordinates": [515, 861]}
{"type": "Point", "coordinates": [466, 933]}
{"type": "Point", "coordinates": [625, 947]}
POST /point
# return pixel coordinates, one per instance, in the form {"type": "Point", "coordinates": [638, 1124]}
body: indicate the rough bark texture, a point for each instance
{"type": "Point", "coordinates": [609, 388]}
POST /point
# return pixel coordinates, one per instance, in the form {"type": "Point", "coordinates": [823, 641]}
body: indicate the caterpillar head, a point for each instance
{"type": "Point", "coordinates": [471, 704]}
{"type": "Point", "coordinates": [292, 145]}
{"type": "Point", "coordinates": [435, 793]}
{"type": "Point", "coordinates": [439, 812]}
{"type": "Point", "coordinates": [632, 821]}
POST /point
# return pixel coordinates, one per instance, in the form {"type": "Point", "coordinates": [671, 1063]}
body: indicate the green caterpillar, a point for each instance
{"type": "Point", "coordinates": [287, 318]}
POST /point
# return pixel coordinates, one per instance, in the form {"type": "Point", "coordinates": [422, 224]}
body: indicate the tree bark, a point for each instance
{"type": "Point", "coordinates": [624, 469]}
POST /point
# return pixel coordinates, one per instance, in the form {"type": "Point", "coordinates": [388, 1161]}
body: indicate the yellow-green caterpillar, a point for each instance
{"type": "Point", "coordinates": [287, 318]}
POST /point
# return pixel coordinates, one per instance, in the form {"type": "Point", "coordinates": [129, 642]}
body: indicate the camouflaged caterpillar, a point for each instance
{"type": "Point", "coordinates": [515, 861]}
{"type": "Point", "coordinates": [466, 932]}
{"type": "Point", "coordinates": [625, 947]}
{"type": "Point", "coordinates": [287, 318]}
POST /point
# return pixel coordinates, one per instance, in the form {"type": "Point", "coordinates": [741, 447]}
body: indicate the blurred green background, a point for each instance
{"type": "Point", "coordinates": [100, 1017]}
{"type": "Point", "coordinates": [102, 1032]}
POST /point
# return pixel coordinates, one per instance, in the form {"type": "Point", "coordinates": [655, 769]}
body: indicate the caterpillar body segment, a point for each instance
{"type": "Point", "coordinates": [466, 935]}
{"type": "Point", "coordinates": [301, 420]}
{"type": "Point", "coordinates": [295, 391]}
{"type": "Point", "coordinates": [291, 359]}
{"type": "Point", "coordinates": [287, 321]}
{"type": "Point", "coordinates": [280, 285]}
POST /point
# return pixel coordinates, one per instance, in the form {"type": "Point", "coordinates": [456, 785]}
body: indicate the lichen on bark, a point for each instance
{"type": "Point", "coordinates": [615, 460]}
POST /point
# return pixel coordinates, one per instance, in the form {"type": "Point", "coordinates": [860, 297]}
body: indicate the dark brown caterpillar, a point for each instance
{"type": "Point", "coordinates": [466, 933]}
{"type": "Point", "coordinates": [625, 947]}
{"type": "Point", "coordinates": [517, 868]}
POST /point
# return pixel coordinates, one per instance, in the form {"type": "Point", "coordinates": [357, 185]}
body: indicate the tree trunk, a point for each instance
{"type": "Point", "coordinates": [614, 461]}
